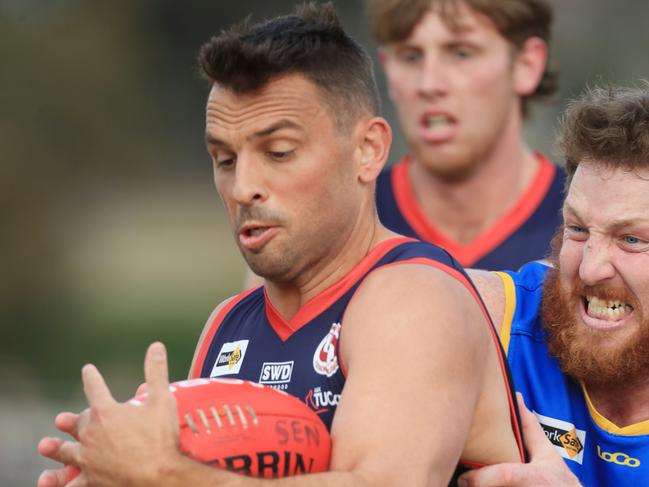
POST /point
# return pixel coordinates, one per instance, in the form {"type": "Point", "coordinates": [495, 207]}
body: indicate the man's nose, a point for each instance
{"type": "Point", "coordinates": [596, 265]}
{"type": "Point", "coordinates": [248, 186]}
{"type": "Point", "coordinates": [433, 81]}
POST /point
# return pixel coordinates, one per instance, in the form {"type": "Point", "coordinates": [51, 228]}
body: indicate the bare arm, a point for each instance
{"type": "Point", "coordinates": [491, 289]}
{"type": "Point", "coordinates": [410, 346]}
{"type": "Point", "coordinates": [206, 329]}
{"type": "Point", "coordinates": [546, 467]}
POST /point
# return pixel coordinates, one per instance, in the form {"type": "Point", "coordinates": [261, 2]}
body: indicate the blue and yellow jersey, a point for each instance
{"type": "Point", "coordinates": [522, 235]}
{"type": "Point", "coordinates": [596, 450]}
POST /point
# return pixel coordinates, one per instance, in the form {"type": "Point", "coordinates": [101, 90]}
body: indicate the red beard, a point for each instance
{"type": "Point", "coordinates": [586, 354]}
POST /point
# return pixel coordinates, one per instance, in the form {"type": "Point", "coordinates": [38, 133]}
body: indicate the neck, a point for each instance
{"type": "Point", "coordinates": [465, 207]}
{"type": "Point", "coordinates": [342, 257]}
{"type": "Point", "coordinates": [623, 405]}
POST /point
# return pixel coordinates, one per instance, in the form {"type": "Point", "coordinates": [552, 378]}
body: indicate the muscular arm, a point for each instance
{"type": "Point", "coordinates": [410, 346]}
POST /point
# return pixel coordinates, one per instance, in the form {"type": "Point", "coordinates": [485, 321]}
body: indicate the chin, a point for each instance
{"type": "Point", "coordinates": [271, 270]}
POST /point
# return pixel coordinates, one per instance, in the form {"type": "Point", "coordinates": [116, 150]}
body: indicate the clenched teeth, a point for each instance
{"type": "Point", "coordinates": [607, 309]}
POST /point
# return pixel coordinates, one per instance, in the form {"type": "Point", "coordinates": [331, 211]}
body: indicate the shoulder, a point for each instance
{"type": "Point", "coordinates": [214, 319]}
{"type": "Point", "coordinates": [422, 299]}
{"type": "Point", "coordinates": [491, 288]}
{"type": "Point", "coordinates": [421, 274]}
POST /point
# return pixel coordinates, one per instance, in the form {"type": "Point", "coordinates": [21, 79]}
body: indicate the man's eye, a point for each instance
{"type": "Point", "coordinates": [634, 244]}
{"type": "Point", "coordinates": [409, 55]}
{"type": "Point", "coordinates": [281, 155]}
{"type": "Point", "coordinates": [463, 53]}
{"type": "Point", "coordinates": [575, 232]}
{"type": "Point", "coordinates": [225, 162]}
{"type": "Point", "coordinates": [575, 228]}
{"type": "Point", "coordinates": [635, 241]}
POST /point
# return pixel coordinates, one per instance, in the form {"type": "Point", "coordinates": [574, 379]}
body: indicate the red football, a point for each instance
{"type": "Point", "coordinates": [249, 428]}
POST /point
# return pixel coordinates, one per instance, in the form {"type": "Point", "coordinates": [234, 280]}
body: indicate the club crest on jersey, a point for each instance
{"type": "Point", "coordinates": [230, 358]}
{"type": "Point", "coordinates": [567, 440]}
{"type": "Point", "coordinates": [325, 358]}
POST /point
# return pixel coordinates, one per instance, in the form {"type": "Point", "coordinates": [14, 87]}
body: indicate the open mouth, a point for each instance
{"type": "Point", "coordinates": [437, 127]}
{"type": "Point", "coordinates": [253, 231]}
{"type": "Point", "coordinates": [606, 309]}
{"type": "Point", "coordinates": [437, 122]}
{"type": "Point", "coordinates": [254, 236]}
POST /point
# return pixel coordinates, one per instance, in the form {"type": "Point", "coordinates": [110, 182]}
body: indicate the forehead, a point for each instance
{"type": "Point", "coordinates": [458, 22]}
{"type": "Point", "coordinates": [609, 193]}
{"type": "Point", "coordinates": [293, 98]}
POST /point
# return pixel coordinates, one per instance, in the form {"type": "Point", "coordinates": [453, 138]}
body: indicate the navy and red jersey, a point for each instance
{"type": "Point", "coordinates": [522, 235]}
{"type": "Point", "coordinates": [248, 339]}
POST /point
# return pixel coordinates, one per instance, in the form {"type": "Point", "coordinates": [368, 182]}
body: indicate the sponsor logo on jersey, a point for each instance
{"type": "Point", "coordinates": [618, 458]}
{"type": "Point", "coordinates": [567, 440]}
{"type": "Point", "coordinates": [230, 358]}
{"type": "Point", "coordinates": [320, 400]}
{"type": "Point", "coordinates": [325, 358]}
{"type": "Point", "coordinates": [276, 374]}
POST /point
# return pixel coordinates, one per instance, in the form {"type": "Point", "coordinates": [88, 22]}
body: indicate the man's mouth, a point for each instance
{"type": "Point", "coordinates": [254, 231]}
{"type": "Point", "coordinates": [434, 122]}
{"type": "Point", "coordinates": [254, 236]}
{"type": "Point", "coordinates": [606, 309]}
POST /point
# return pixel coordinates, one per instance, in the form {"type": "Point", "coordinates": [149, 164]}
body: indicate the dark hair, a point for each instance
{"type": "Point", "coordinates": [310, 42]}
{"type": "Point", "coordinates": [608, 126]}
{"type": "Point", "coordinates": [516, 20]}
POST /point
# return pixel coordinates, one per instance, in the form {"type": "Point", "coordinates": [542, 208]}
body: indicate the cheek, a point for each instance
{"type": "Point", "coordinates": [401, 84]}
{"type": "Point", "coordinates": [493, 81]}
{"type": "Point", "coordinates": [570, 258]}
{"type": "Point", "coordinates": [222, 190]}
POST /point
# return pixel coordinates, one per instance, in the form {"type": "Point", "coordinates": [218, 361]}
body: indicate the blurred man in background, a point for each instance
{"type": "Point", "coordinates": [462, 74]}
{"type": "Point", "coordinates": [293, 130]}
{"type": "Point", "coordinates": [577, 335]}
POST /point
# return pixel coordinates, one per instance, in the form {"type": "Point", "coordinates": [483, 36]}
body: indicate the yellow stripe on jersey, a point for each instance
{"type": "Point", "coordinates": [636, 429]}
{"type": "Point", "coordinates": [510, 307]}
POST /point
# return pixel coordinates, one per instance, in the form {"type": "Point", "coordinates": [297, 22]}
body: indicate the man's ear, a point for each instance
{"type": "Point", "coordinates": [529, 65]}
{"type": "Point", "coordinates": [375, 139]}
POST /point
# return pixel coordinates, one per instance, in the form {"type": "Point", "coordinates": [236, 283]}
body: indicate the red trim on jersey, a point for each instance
{"type": "Point", "coordinates": [468, 254]}
{"type": "Point", "coordinates": [214, 326]}
{"type": "Point", "coordinates": [516, 427]}
{"type": "Point", "coordinates": [322, 301]}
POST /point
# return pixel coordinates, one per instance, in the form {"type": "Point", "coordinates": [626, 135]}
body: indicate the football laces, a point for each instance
{"type": "Point", "coordinates": [226, 411]}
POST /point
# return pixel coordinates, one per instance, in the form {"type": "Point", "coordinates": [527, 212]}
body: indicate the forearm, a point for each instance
{"type": "Point", "coordinates": [186, 471]}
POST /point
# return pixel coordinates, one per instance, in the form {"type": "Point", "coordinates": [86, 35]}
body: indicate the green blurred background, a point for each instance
{"type": "Point", "coordinates": [112, 234]}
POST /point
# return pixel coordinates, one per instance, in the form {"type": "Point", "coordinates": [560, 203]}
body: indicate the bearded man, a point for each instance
{"type": "Point", "coordinates": [577, 334]}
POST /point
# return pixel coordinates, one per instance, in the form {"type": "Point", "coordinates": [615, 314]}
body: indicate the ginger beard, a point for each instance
{"type": "Point", "coordinates": [587, 354]}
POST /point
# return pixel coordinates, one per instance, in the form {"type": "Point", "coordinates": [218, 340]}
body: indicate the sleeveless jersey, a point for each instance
{"type": "Point", "coordinates": [248, 339]}
{"type": "Point", "coordinates": [597, 451]}
{"type": "Point", "coordinates": [521, 236]}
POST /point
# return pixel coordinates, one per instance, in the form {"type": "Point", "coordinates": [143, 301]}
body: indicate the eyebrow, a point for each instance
{"type": "Point", "coordinates": [615, 224]}
{"type": "Point", "coordinates": [280, 125]}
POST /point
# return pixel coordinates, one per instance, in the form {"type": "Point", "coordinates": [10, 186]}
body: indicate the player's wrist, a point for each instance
{"type": "Point", "coordinates": [181, 470]}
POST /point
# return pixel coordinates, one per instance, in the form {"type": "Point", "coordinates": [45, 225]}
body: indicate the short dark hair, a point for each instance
{"type": "Point", "coordinates": [310, 42]}
{"type": "Point", "coordinates": [608, 126]}
{"type": "Point", "coordinates": [516, 20]}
